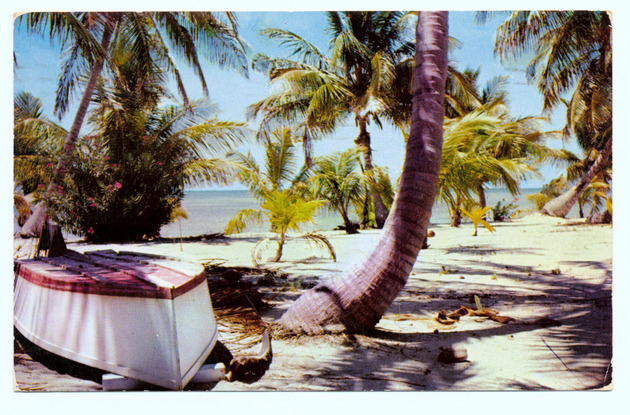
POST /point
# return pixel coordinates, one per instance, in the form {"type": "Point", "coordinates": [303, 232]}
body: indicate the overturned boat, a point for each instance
{"type": "Point", "coordinates": [140, 316]}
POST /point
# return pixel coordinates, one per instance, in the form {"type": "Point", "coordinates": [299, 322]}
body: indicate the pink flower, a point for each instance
{"type": "Point", "coordinates": [60, 190]}
{"type": "Point", "coordinates": [49, 164]}
{"type": "Point", "coordinates": [146, 137]}
{"type": "Point", "coordinates": [114, 165]}
{"type": "Point", "coordinates": [117, 185]}
{"type": "Point", "coordinates": [90, 230]}
{"type": "Point", "coordinates": [106, 158]}
{"type": "Point", "coordinates": [159, 163]}
{"type": "Point", "coordinates": [40, 186]}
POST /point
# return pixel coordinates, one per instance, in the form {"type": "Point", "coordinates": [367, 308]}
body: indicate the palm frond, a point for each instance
{"type": "Point", "coordinates": [301, 49]}
{"type": "Point", "coordinates": [320, 241]}
{"type": "Point", "coordinates": [242, 220]}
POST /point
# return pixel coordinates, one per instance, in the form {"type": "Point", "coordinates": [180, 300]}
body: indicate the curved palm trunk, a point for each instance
{"type": "Point", "coordinates": [365, 145]}
{"type": "Point", "coordinates": [358, 299]}
{"type": "Point", "coordinates": [34, 225]}
{"type": "Point", "coordinates": [561, 205]}
{"type": "Point", "coordinates": [280, 246]}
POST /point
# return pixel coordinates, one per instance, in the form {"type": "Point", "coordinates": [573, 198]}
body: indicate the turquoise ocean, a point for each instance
{"type": "Point", "coordinates": [210, 210]}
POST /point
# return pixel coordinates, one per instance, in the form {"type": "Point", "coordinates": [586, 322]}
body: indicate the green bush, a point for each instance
{"type": "Point", "coordinates": [502, 213]}
{"type": "Point", "coordinates": [126, 196]}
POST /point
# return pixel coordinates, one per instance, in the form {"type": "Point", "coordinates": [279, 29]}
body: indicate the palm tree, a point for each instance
{"type": "Point", "coordinates": [336, 179]}
{"type": "Point", "coordinates": [572, 49]}
{"type": "Point", "coordinates": [486, 146]}
{"type": "Point", "coordinates": [36, 143]}
{"type": "Point", "coordinates": [358, 299]}
{"type": "Point", "coordinates": [288, 211]}
{"type": "Point", "coordinates": [513, 146]}
{"type": "Point", "coordinates": [280, 191]}
{"type": "Point", "coordinates": [477, 216]}
{"type": "Point", "coordinates": [367, 51]}
{"type": "Point", "coordinates": [90, 36]}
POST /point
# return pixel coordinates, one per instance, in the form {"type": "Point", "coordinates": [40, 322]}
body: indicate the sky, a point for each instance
{"type": "Point", "coordinates": [38, 65]}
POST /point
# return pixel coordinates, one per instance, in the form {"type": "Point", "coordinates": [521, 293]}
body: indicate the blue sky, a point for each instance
{"type": "Point", "coordinates": [38, 63]}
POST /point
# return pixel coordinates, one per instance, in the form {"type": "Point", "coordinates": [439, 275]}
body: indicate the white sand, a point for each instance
{"type": "Point", "coordinates": [510, 270]}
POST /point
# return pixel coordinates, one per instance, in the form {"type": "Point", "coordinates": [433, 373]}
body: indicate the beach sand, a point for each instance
{"type": "Point", "coordinates": [552, 276]}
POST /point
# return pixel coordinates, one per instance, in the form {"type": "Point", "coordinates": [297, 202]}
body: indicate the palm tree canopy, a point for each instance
{"type": "Point", "coordinates": [152, 38]}
{"type": "Point", "coordinates": [336, 178]}
{"type": "Point", "coordinates": [571, 50]}
{"type": "Point", "coordinates": [279, 171]}
{"type": "Point", "coordinates": [356, 78]}
{"type": "Point", "coordinates": [36, 142]}
{"type": "Point", "coordinates": [286, 210]}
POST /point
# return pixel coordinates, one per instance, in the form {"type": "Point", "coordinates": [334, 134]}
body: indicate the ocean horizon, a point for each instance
{"type": "Point", "coordinates": [209, 211]}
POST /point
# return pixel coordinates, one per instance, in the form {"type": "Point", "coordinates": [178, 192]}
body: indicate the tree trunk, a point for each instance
{"type": "Point", "coordinates": [365, 145]}
{"type": "Point", "coordinates": [482, 196]}
{"type": "Point", "coordinates": [307, 147]}
{"type": "Point", "coordinates": [33, 226]}
{"type": "Point", "coordinates": [347, 223]}
{"type": "Point", "coordinates": [456, 219]}
{"type": "Point", "coordinates": [279, 251]}
{"type": "Point", "coordinates": [357, 299]}
{"type": "Point", "coordinates": [561, 205]}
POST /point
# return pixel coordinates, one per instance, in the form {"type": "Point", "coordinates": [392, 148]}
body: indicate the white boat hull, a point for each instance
{"type": "Point", "coordinates": [161, 341]}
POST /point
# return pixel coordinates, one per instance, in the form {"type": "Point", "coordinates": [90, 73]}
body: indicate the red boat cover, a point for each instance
{"type": "Point", "coordinates": [112, 273]}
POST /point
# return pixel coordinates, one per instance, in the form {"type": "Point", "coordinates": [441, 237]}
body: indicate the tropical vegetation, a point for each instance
{"type": "Point", "coordinates": [124, 178]}
{"type": "Point", "coordinates": [370, 57]}
{"type": "Point", "coordinates": [89, 37]}
{"type": "Point", "coordinates": [279, 187]}
{"type": "Point", "coordinates": [337, 180]}
{"type": "Point", "coordinates": [36, 144]}
{"type": "Point", "coordinates": [572, 54]}
{"type": "Point", "coordinates": [478, 215]}
{"type": "Point", "coordinates": [356, 300]}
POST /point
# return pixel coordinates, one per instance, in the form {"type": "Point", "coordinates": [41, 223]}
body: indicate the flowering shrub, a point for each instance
{"type": "Point", "coordinates": [119, 197]}
{"type": "Point", "coordinates": [504, 213]}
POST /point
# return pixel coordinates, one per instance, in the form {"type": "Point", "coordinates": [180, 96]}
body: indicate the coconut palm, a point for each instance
{"type": "Point", "coordinates": [511, 141]}
{"type": "Point", "coordinates": [572, 49]}
{"type": "Point", "coordinates": [279, 187]}
{"type": "Point", "coordinates": [487, 147]}
{"type": "Point", "coordinates": [336, 179]}
{"type": "Point", "coordinates": [320, 92]}
{"type": "Point", "coordinates": [593, 197]}
{"type": "Point", "coordinates": [89, 37]}
{"type": "Point", "coordinates": [280, 169]}
{"type": "Point", "coordinates": [288, 211]}
{"type": "Point", "coordinates": [357, 299]}
{"type": "Point", "coordinates": [477, 216]}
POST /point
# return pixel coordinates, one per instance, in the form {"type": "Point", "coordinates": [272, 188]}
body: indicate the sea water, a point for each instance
{"type": "Point", "coordinates": [210, 210]}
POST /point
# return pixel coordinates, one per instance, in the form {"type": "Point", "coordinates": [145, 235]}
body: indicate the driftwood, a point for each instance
{"type": "Point", "coordinates": [250, 368]}
{"type": "Point", "coordinates": [446, 318]}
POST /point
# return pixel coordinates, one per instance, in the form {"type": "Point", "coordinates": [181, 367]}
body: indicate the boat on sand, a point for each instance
{"type": "Point", "coordinates": [140, 316]}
